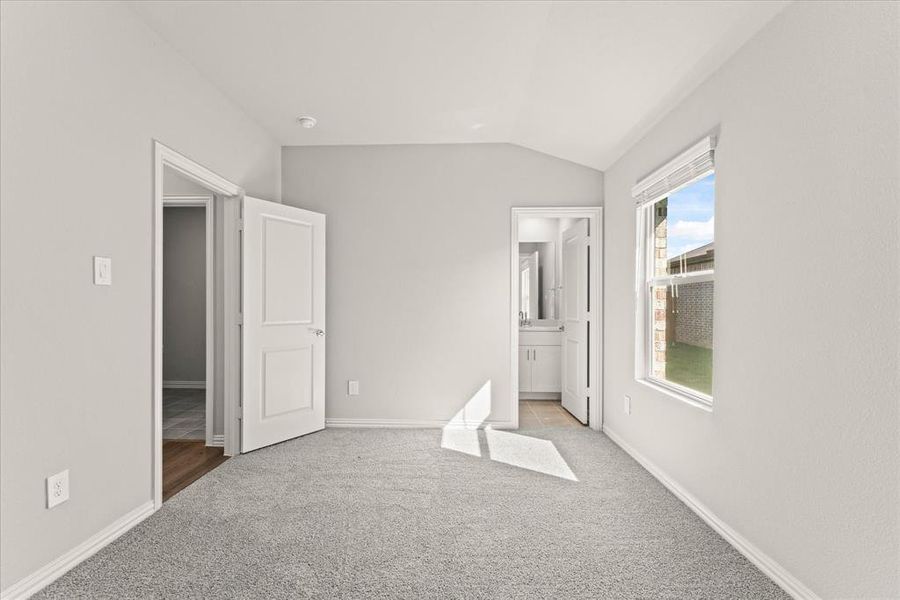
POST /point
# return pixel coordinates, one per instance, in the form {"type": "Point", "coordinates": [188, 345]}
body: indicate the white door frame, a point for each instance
{"type": "Point", "coordinates": [163, 157]}
{"type": "Point", "coordinates": [594, 214]}
{"type": "Point", "coordinates": [206, 203]}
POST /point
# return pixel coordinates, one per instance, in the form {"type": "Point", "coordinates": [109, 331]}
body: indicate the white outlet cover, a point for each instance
{"type": "Point", "coordinates": [627, 406]}
{"type": "Point", "coordinates": [57, 488]}
{"type": "Point", "coordinates": [352, 388]}
{"type": "Point", "coordinates": [102, 270]}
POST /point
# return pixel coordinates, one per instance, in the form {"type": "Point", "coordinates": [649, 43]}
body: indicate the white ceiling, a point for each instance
{"type": "Point", "coordinates": [577, 80]}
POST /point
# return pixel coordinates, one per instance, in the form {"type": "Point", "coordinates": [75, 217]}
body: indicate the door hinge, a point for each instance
{"type": "Point", "coordinates": [240, 318]}
{"type": "Point", "coordinates": [240, 224]}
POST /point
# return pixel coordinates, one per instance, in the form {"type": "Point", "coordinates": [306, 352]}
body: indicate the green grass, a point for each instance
{"type": "Point", "coordinates": [690, 366]}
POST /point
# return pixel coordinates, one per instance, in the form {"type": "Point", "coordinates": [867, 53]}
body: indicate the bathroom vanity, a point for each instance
{"type": "Point", "coordinates": [540, 362]}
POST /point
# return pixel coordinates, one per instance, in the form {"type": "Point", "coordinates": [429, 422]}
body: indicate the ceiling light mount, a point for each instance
{"type": "Point", "coordinates": [306, 122]}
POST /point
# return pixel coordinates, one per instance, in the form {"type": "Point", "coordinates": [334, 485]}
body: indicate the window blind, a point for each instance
{"type": "Point", "coordinates": [693, 163]}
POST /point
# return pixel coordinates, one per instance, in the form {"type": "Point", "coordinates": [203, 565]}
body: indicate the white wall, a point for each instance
{"type": "Point", "coordinates": [86, 87]}
{"type": "Point", "coordinates": [800, 454]}
{"type": "Point", "coordinates": [184, 294]}
{"type": "Point", "coordinates": [538, 229]}
{"type": "Point", "coordinates": [176, 184]}
{"type": "Point", "coordinates": [418, 266]}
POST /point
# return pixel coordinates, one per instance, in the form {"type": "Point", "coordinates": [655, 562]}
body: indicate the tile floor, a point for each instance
{"type": "Point", "coordinates": [184, 414]}
{"type": "Point", "coordinates": [534, 414]}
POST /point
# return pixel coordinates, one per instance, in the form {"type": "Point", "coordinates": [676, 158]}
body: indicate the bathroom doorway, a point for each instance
{"type": "Point", "coordinates": [556, 316]}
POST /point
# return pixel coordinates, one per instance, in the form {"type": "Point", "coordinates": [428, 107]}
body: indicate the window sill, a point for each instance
{"type": "Point", "coordinates": [696, 402]}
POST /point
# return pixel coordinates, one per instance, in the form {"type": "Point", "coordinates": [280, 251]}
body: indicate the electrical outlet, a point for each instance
{"type": "Point", "coordinates": [57, 488]}
{"type": "Point", "coordinates": [627, 406]}
{"type": "Point", "coordinates": [352, 388]}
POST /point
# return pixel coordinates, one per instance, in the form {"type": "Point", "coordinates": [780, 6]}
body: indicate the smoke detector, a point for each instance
{"type": "Point", "coordinates": [306, 122]}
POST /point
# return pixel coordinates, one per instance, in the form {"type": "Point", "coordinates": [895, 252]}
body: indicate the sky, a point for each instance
{"type": "Point", "coordinates": [691, 216]}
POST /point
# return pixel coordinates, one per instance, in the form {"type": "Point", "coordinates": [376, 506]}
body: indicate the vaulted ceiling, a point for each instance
{"type": "Point", "coordinates": [577, 80]}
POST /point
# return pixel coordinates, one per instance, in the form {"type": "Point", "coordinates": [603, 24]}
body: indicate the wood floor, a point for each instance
{"type": "Point", "coordinates": [186, 461]}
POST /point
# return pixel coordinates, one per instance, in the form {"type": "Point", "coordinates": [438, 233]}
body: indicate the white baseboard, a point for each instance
{"type": "Point", "coordinates": [52, 571]}
{"type": "Point", "coordinates": [763, 562]}
{"type": "Point", "coordinates": [218, 441]}
{"type": "Point", "coordinates": [416, 424]}
{"type": "Point", "coordinates": [185, 385]}
{"type": "Point", "coordinates": [540, 396]}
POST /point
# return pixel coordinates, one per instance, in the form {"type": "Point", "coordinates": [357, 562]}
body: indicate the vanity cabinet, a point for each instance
{"type": "Point", "coordinates": [540, 371]}
{"type": "Point", "coordinates": [540, 362]}
{"type": "Point", "coordinates": [525, 368]}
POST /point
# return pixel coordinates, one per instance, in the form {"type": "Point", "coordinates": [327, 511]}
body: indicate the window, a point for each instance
{"type": "Point", "coordinates": [675, 280]}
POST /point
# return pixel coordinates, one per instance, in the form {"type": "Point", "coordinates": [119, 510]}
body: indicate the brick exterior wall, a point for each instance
{"type": "Point", "coordinates": [659, 295]}
{"type": "Point", "coordinates": [694, 316]}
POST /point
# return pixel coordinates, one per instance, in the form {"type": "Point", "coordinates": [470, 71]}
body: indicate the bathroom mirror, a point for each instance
{"type": "Point", "coordinates": [537, 280]}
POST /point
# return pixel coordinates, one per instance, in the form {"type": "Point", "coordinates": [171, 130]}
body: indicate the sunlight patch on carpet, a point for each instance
{"type": "Point", "coordinates": [527, 452]}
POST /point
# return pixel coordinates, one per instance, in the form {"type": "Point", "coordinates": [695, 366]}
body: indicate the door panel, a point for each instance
{"type": "Point", "coordinates": [287, 296]}
{"type": "Point", "coordinates": [287, 378]}
{"type": "Point", "coordinates": [283, 299]}
{"type": "Point", "coordinates": [575, 317]}
{"type": "Point", "coordinates": [572, 371]}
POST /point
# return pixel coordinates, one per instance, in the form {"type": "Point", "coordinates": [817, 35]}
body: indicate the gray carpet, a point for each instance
{"type": "Point", "coordinates": [378, 513]}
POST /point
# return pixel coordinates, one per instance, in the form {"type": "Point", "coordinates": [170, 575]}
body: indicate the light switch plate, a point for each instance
{"type": "Point", "coordinates": [627, 406]}
{"type": "Point", "coordinates": [102, 270]}
{"type": "Point", "coordinates": [352, 388]}
{"type": "Point", "coordinates": [57, 488]}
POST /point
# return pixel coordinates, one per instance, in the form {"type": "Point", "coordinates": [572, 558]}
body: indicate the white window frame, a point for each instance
{"type": "Point", "coordinates": [688, 168]}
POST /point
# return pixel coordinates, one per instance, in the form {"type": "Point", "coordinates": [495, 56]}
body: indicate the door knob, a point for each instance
{"type": "Point", "coordinates": [318, 332]}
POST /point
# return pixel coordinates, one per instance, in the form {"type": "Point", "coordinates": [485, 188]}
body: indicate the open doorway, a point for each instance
{"type": "Point", "coordinates": [266, 330]}
{"type": "Point", "coordinates": [192, 398]}
{"type": "Point", "coordinates": [556, 322]}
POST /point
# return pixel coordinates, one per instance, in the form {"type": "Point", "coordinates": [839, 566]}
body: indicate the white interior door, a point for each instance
{"type": "Point", "coordinates": [283, 331]}
{"type": "Point", "coordinates": [575, 341]}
